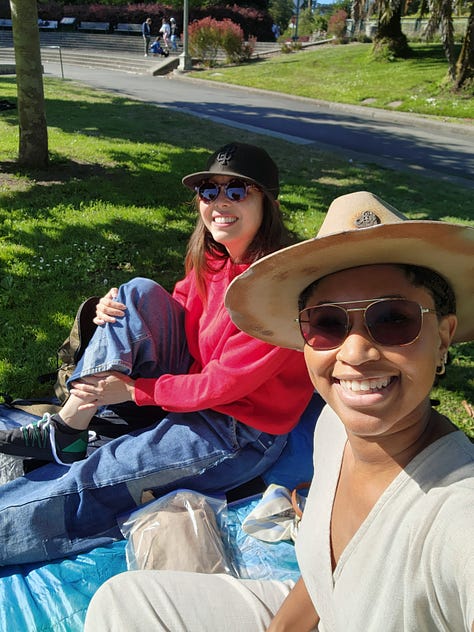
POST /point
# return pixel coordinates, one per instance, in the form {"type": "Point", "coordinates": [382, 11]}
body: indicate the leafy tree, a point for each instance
{"type": "Point", "coordinates": [460, 71]}
{"type": "Point", "coordinates": [281, 12]}
{"type": "Point", "coordinates": [343, 5]}
{"type": "Point", "coordinates": [441, 13]}
{"type": "Point", "coordinates": [464, 76]}
{"type": "Point", "coordinates": [33, 143]}
{"type": "Point", "coordinates": [306, 22]}
{"type": "Point", "coordinates": [337, 24]}
{"type": "Point", "coordinates": [390, 41]}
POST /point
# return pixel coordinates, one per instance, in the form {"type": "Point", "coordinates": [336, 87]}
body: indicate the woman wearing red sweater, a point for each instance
{"type": "Point", "coordinates": [222, 401]}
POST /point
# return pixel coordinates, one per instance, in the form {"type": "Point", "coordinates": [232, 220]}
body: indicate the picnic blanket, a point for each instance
{"type": "Point", "coordinates": [54, 597]}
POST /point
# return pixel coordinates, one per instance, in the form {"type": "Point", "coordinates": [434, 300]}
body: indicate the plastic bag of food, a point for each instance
{"type": "Point", "coordinates": [184, 530]}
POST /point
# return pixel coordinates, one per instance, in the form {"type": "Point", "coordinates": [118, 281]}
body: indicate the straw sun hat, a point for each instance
{"type": "Point", "coordinates": [359, 229]}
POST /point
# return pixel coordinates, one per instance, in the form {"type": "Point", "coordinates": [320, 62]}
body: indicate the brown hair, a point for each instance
{"type": "Point", "coordinates": [272, 235]}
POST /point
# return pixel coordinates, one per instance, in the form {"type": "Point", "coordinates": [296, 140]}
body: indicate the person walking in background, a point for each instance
{"type": "Point", "coordinates": [146, 33]}
{"type": "Point", "coordinates": [165, 31]}
{"type": "Point", "coordinates": [174, 34]}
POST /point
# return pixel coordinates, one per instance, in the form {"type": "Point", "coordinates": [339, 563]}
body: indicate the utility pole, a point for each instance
{"type": "Point", "coordinates": [185, 61]}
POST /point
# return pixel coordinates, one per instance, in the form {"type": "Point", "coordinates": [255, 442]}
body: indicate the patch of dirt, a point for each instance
{"type": "Point", "coordinates": [8, 181]}
{"type": "Point", "coordinates": [15, 178]}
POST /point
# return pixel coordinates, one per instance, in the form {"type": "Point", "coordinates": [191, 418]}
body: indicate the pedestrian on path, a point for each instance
{"type": "Point", "coordinates": [146, 33]}
{"type": "Point", "coordinates": [174, 35]}
{"type": "Point", "coordinates": [165, 31]}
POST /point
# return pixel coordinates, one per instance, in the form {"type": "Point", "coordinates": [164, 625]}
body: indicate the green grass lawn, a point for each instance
{"type": "Point", "coordinates": [112, 206]}
{"type": "Point", "coordinates": [347, 74]}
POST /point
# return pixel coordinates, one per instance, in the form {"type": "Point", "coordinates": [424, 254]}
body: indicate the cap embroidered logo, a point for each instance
{"type": "Point", "coordinates": [226, 154]}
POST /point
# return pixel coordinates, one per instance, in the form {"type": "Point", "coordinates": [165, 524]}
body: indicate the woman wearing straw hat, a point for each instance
{"type": "Point", "coordinates": [387, 536]}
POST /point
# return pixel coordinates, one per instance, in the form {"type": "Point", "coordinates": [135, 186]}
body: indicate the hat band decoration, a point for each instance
{"type": "Point", "coordinates": [359, 229]}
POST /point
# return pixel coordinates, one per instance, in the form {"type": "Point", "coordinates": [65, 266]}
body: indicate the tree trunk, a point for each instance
{"type": "Point", "coordinates": [464, 78]}
{"type": "Point", "coordinates": [33, 144]}
{"type": "Point", "coordinates": [356, 15]}
{"type": "Point", "coordinates": [447, 35]}
{"type": "Point", "coordinates": [390, 39]}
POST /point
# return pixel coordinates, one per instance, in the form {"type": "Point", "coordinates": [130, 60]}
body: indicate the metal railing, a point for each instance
{"type": "Point", "coordinates": [60, 58]}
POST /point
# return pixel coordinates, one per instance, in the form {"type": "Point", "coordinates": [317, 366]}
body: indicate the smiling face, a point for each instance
{"type": "Point", "coordinates": [233, 224]}
{"type": "Point", "coordinates": [377, 390]}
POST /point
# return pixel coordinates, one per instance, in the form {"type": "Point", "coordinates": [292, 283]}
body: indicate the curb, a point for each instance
{"type": "Point", "coordinates": [419, 120]}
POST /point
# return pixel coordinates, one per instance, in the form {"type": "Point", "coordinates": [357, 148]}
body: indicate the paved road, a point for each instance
{"type": "Point", "coordinates": [394, 140]}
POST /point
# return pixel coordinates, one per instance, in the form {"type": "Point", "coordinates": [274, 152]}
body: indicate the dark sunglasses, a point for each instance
{"type": "Point", "coordinates": [389, 322]}
{"type": "Point", "coordinates": [235, 190]}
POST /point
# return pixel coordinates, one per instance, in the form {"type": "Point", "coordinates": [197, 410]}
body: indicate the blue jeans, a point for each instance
{"type": "Point", "coordinates": [56, 511]}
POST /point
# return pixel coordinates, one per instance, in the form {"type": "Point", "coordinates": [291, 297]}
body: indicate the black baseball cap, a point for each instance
{"type": "Point", "coordinates": [241, 160]}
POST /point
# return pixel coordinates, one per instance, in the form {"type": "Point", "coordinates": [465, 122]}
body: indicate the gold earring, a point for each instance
{"type": "Point", "coordinates": [441, 368]}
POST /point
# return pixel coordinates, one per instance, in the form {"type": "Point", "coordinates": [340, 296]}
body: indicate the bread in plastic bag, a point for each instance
{"type": "Point", "coordinates": [184, 530]}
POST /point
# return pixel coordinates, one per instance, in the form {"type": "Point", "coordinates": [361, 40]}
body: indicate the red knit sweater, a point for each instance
{"type": "Point", "coordinates": [261, 385]}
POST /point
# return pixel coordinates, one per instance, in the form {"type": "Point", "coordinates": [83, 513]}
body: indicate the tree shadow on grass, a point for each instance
{"type": "Point", "coordinates": [128, 213]}
{"type": "Point", "coordinates": [60, 171]}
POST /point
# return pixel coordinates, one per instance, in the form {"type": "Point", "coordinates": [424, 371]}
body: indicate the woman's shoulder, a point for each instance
{"type": "Point", "coordinates": [453, 458]}
{"type": "Point", "coordinates": [445, 478]}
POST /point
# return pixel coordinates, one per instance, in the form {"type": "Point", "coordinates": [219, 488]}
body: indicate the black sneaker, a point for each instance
{"type": "Point", "coordinates": [45, 440]}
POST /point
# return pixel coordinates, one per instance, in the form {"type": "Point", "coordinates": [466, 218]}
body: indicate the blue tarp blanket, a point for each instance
{"type": "Point", "coordinates": [54, 597]}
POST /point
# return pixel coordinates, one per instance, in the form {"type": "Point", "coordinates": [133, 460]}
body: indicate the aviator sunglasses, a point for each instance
{"type": "Point", "coordinates": [235, 190]}
{"type": "Point", "coordinates": [389, 322]}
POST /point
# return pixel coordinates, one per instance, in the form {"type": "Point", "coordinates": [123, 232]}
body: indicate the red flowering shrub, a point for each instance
{"type": "Point", "coordinates": [208, 36]}
{"type": "Point", "coordinates": [248, 48]}
{"type": "Point", "coordinates": [204, 40]}
{"type": "Point", "coordinates": [90, 12]}
{"type": "Point", "coordinates": [53, 11]}
{"type": "Point", "coordinates": [128, 14]}
{"type": "Point", "coordinates": [254, 22]}
{"type": "Point", "coordinates": [337, 24]}
{"type": "Point", "coordinates": [232, 40]}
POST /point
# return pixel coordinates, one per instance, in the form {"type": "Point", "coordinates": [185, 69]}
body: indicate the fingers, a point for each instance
{"type": "Point", "coordinates": [86, 392]}
{"type": "Point", "coordinates": [91, 406]}
{"type": "Point", "coordinates": [103, 388]}
{"type": "Point", "coordinates": [89, 391]}
{"type": "Point", "coordinates": [108, 309]}
{"type": "Point", "coordinates": [112, 293]}
{"type": "Point", "coordinates": [90, 380]}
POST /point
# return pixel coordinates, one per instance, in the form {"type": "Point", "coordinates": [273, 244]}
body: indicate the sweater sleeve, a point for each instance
{"type": "Point", "coordinates": [243, 366]}
{"type": "Point", "coordinates": [231, 373]}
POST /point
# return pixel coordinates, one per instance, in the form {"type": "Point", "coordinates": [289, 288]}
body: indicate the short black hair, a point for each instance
{"type": "Point", "coordinates": [442, 293]}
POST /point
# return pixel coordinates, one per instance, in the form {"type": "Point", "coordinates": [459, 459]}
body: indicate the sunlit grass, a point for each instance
{"type": "Point", "coordinates": [348, 74]}
{"type": "Point", "coordinates": [112, 206]}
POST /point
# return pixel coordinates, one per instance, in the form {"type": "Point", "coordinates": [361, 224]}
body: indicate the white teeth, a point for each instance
{"type": "Point", "coordinates": [365, 385]}
{"type": "Point", "coordinates": [224, 220]}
